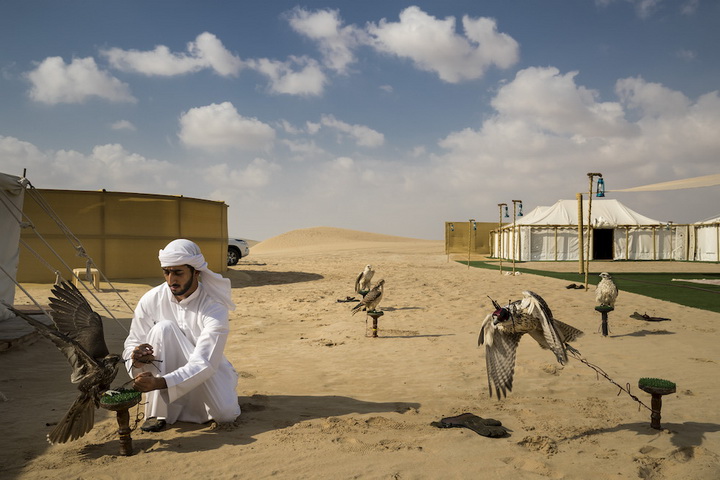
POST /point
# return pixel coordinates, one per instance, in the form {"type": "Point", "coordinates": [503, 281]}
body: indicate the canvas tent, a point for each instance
{"type": "Point", "coordinates": [707, 240]}
{"type": "Point", "coordinates": [619, 233]}
{"type": "Point", "coordinates": [11, 204]}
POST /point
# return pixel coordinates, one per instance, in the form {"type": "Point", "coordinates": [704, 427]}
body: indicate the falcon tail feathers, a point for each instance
{"type": "Point", "coordinates": [79, 420]}
{"type": "Point", "coordinates": [569, 333]}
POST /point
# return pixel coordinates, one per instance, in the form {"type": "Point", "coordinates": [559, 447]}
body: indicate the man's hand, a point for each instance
{"type": "Point", "coordinates": [142, 354]}
{"type": "Point", "coordinates": [146, 382]}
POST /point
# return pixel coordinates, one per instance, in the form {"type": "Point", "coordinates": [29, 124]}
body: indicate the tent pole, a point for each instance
{"type": "Point", "coordinates": [581, 242]}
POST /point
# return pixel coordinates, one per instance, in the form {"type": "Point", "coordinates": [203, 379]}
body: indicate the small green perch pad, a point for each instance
{"type": "Point", "coordinates": [120, 395]}
{"type": "Point", "coordinates": [656, 383]}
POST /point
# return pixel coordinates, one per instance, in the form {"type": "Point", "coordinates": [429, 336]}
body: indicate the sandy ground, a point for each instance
{"type": "Point", "coordinates": [321, 399]}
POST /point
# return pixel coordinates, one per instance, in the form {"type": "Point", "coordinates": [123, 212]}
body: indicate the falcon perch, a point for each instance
{"type": "Point", "coordinates": [78, 334]}
{"type": "Point", "coordinates": [502, 330]}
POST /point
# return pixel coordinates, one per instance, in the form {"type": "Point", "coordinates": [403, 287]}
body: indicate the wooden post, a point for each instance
{"type": "Point", "coordinates": [123, 420]}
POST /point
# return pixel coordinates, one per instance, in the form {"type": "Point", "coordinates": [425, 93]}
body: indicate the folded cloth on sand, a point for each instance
{"type": "Point", "coordinates": [347, 299]}
{"type": "Point", "coordinates": [648, 318]}
{"type": "Point", "coordinates": [487, 427]}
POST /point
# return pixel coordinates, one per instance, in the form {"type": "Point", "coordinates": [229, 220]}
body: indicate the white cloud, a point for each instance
{"type": "Point", "coordinates": [304, 150]}
{"type": "Point", "coordinates": [207, 51]}
{"type": "Point", "coordinates": [336, 43]}
{"type": "Point", "coordinates": [220, 126]}
{"type": "Point", "coordinates": [433, 45]}
{"type": "Point", "coordinates": [108, 166]}
{"type": "Point", "coordinates": [544, 98]}
{"type": "Point", "coordinates": [689, 7]}
{"type": "Point", "coordinates": [313, 127]}
{"type": "Point", "coordinates": [123, 125]}
{"type": "Point", "coordinates": [643, 8]}
{"type": "Point", "coordinates": [652, 99]}
{"type": "Point", "coordinates": [297, 76]}
{"type": "Point", "coordinates": [362, 135]}
{"type": "Point", "coordinates": [547, 130]}
{"type": "Point", "coordinates": [54, 81]}
{"type": "Point", "coordinates": [685, 54]}
{"type": "Point", "coordinates": [256, 174]}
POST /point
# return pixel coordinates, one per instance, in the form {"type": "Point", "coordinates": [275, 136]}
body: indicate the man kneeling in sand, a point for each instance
{"type": "Point", "coordinates": [176, 342]}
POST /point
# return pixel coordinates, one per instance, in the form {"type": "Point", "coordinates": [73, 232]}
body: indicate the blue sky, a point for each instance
{"type": "Point", "coordinates": [383, 116]}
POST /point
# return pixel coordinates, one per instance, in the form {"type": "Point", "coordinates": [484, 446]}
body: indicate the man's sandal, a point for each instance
{"type": "Point", "coordinates": [153, 424]}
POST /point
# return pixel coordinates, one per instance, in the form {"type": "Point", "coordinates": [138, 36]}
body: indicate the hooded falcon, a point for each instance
{"type": "Point", "coordinates": [606, 291]}
{"type": "Point", "coordinates": [362, 282]}
{"type": "Point", "coordinates": [371, 300]}
{"type": "Point", "coordinates": [502, 330]}
{"type": "Point", "coordinates": [78, 334]}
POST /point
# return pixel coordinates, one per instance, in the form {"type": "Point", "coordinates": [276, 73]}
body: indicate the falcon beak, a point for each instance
{"type": "Point", "coordinates": [500, 315]}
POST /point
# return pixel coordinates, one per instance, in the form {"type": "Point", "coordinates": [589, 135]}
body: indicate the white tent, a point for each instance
{"type": "Point", "coordinates": [11, 204]}
{"type": "Point", "coordinates": [619, 233]}
{"type": "Point", "coordinates": [707, 240]}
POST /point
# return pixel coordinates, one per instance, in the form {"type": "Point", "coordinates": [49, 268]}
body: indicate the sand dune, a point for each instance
{"type": "Point", "coordinates": [321, 399]}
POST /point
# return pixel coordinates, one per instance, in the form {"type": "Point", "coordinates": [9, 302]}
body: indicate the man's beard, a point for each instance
{"type": "Point", "coordinates": [182, 290]}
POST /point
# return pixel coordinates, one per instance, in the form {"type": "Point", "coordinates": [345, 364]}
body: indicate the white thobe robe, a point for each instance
{"type": "Point", "coordinates": [189, 338]}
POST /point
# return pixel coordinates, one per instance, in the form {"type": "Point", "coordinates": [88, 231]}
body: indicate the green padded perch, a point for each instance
{"type": "Point", "coordinates": [120, 401]}
{"type": "Point", "coordinates": [656, 387]}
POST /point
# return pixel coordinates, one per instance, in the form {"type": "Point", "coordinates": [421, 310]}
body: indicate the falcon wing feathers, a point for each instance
{"type": "Point", "coordinates": [537, 307]}
{"type": "Point", "coordinates": [75, 318]}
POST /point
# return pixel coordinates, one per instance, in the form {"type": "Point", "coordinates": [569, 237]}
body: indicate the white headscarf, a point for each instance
{"type": "Point", "coordinates": [185, 252]}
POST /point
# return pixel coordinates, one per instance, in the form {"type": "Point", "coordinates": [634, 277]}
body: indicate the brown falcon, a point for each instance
{"type": "Point", "coordinates": [362, 282]}
{"type": "Point", "coordinates": [78, 333]}
{"type": "Point", "coordinates": [502, 330]}
{"type": "Point", "coordinates": [371, 300]}
{"type": "Point", "coordinates": [606, 291]}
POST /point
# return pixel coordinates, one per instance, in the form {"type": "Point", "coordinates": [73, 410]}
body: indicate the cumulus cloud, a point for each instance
{"type": "Point", "coordinates": [220, 126]}
{"type": "Point", "coordinates": [207, 51]}
{"type": "Point", "coordinates": [303, 150]}
{"type": "Point", "coordinates": [545, 123]}
{"type": "Point", "coordinates": [362, 135]}
{"type": "Point", "coordinates": [548, 100]}
{"type": "Point", "coordinates": [335, 41]}
{"type": "Point", "coordinates": [297, 76]}
{"type": "Point", "coordinates": [54, 81]}
{"type": "Point", "coordinates": [434, 45]}
{"type": "Point", "coordinates": [107, 166]}
{"type": "Point", "coordinates": [123, 125]}
{"type": "Point", "coordinates": [256, 174]}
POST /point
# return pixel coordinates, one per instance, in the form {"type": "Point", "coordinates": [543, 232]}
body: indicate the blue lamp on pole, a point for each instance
{"type": "Point", "coordinates": [600, 187]}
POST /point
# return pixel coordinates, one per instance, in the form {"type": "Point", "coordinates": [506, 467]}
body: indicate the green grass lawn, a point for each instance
{"type": "Point", "coordinates": [654, 285]}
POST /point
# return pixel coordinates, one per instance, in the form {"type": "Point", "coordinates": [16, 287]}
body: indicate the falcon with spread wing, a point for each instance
{"type": "Point", "coordinates": [502, 330]}
{"type": "Point", "coordinates": [606, 292]}
{"type": "Point", "coordinates": [78, 334]}
{"type": "Point", "coordinates": [362, 282]}
{"type": "Point", "coordinates": [371, 300]}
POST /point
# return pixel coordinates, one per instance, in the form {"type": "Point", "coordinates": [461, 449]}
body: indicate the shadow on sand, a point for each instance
{"type": "Point", "coordinates": [683, 435]}
{"type": "Point", "coordinates": [252, 278]}
{"type": "Point", "coordinates": [260, 414]}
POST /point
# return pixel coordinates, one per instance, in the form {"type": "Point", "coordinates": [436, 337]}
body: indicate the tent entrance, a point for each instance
{"type": "Point", "coordinates": [603, 243]}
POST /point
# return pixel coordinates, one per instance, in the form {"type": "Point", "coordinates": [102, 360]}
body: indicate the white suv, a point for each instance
{"type": "Point", "coordinates": [237, 249]}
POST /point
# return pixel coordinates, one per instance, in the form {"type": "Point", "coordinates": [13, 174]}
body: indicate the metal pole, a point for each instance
{"type": "Point", "coordinates": [514, 234]}
{"type": "Point", "coordinates": [589, 226]}
{"type": "Point", "coordinates": [581, 241]}
{"type": "Point", "coordinates": [470, 230]}
{"type": "Point", "coordinates": [501, 205]}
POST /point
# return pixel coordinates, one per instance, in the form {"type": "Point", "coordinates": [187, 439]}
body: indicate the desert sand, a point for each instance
{"type": "Point", "coordinates": [323, 399]}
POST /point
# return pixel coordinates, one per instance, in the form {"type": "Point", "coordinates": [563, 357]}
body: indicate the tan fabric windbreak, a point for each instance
{"type": "Point", "coordinates": [121, 232]}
